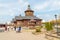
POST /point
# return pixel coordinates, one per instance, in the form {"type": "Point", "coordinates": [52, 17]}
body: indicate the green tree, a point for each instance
{"type": "Point", "coordinates": [48, 26]}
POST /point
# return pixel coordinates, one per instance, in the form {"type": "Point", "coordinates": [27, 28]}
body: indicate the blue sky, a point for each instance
{"type": "Point", "coordinates": [44, 9]}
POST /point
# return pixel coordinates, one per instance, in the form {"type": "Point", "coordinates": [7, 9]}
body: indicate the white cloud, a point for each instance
{"type": "Point", "coordinates": [23, 3]}
{"type": "Point", "coordinates": [50, 5]}
{"type": "Point", "coordinates": [46, 17]}
{"type": "Point", "coordinates": [41, 6]}
{"type": "Point", "coordinates": [12, 8]}
{"type": "Point", "coordinates": [54, 5]}
{"type": "Point", "coordinates": [9, 10]}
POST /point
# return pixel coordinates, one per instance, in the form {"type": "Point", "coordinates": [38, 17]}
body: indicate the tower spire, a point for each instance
{"type": "Point", "coordinates": [29, 12]}
{"type": "Point", "coordinates": [28, 7]}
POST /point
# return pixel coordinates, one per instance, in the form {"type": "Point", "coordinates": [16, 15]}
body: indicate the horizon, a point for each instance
{"type": "Point", "coordinates": [44, 9]}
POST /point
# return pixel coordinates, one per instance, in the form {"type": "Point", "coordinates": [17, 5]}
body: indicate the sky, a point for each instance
{"type": "Point", "coordinates": [44, 9]}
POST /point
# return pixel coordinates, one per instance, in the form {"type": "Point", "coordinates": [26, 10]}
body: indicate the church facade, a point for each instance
{"type": "Point", "coordinates": [28, 20]}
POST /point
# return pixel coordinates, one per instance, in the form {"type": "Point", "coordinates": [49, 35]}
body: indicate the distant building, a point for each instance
{"type": "Point", "coordinates": [28, 20]}
{"type": "Point", "coordinates": [2, 25]}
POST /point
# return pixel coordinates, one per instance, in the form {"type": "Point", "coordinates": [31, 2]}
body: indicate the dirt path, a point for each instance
{"type": "Point", "coordinates": [20, 36]}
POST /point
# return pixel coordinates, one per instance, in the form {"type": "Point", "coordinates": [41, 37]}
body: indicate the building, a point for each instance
{"type": "Point", "coordinates": [2, 25]}
{"type": "Point", "coordinates": [28, 20]}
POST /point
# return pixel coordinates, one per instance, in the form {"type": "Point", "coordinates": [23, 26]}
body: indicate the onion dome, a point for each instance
{"type": "Point", "coordinates": [29, 9]}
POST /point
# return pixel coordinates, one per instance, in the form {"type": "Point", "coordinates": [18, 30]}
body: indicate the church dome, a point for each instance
{"type": "Point", "coordinates": [29, 9]}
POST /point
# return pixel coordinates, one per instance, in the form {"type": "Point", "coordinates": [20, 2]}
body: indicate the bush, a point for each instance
{"type": "Point", "coordinates": [38, 28]}
{"type": "Point", "coordinates": [48, 26]}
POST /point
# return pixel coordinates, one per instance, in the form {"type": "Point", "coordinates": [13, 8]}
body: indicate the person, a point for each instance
{"type": "Point", "coordinates": [19, 29]}
{"type": "Point", "coordinates": [15, 28]}
{"type": "Point", "coordinates": [11, 27]}
{"type": "Point", "coordinates": [8, 28]}
{"type": "Point", "coordinates": [5, 28]}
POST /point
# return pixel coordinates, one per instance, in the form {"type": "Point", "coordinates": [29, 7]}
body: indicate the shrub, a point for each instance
{"type": "Point", "coordinates": [48, 26]}
{"type": "Point", "coordinates": [38, 28]}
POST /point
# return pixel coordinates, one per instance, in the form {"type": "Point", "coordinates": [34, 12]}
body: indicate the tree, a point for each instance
{"type": "Point", "coordinates": [48, 26]}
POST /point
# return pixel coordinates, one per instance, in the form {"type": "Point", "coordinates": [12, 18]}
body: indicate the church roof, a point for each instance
{"type": "Point", "coordinates": [29, 10]}
{"type": "Point", "coordinates": [26, 17]}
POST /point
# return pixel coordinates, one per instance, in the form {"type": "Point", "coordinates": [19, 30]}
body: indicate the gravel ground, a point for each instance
{"type": "Point", "coordinates": [24, 35]}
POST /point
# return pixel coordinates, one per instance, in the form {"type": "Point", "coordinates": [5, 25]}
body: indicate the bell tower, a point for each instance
{"type": "Point", "coordinates": [29, 12]}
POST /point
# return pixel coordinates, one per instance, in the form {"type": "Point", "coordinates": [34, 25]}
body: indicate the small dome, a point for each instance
{"type": "Point", "coordinates": [29, 9]}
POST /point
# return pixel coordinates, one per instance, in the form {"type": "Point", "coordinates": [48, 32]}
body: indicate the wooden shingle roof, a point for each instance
{"type": "Point", "coordinates": [26, 17]}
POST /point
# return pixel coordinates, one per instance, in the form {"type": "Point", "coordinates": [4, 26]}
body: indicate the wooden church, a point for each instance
{"type": "Point", "coordinates": [28, 20]}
